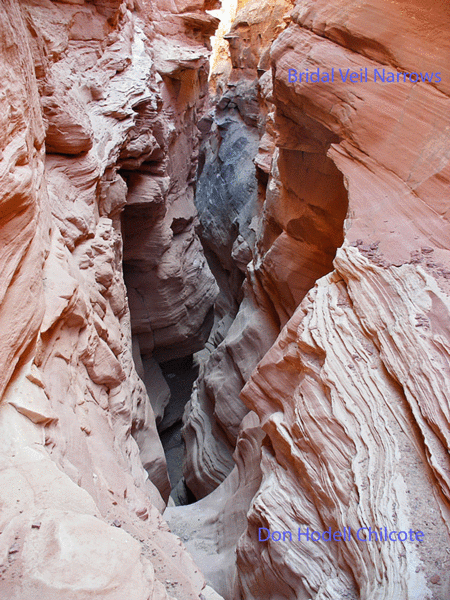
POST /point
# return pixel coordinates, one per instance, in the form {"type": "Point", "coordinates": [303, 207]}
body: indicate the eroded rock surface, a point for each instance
{"type": "Point", "coordinates": [211, 526]}
{"type": "Point", "coordinates": [352, 395]}
{"type": "Point", "coordinates": [83, 476]}
{"type": "Point", "coordinates": [323, 208]}
{"type": "Point", "coordinates": [230, 197]}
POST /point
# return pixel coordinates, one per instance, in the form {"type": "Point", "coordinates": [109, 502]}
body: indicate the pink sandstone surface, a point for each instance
{"type": "Point", "coordinates": [323, 210]}
{"type": "Point", "coordinates": [352, 396]}
{"type": "Point", "coordinates": [81, 100]}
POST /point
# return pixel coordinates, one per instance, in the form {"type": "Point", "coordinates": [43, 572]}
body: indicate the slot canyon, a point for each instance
{"type": "Point", "coordinates": [225, 300]}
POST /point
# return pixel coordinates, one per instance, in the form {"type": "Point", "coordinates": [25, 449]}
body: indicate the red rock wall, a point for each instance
{"type": "Point", "coordinates": [338, 337]}
{"type": "Point", "coordinates": [171, 289]}
{"type": "Point", "coordinates": [83, 108]}
{"type": "Point", "coordinates": [230, 198]}
{"type": "Point", "coordinates": [352, 395]}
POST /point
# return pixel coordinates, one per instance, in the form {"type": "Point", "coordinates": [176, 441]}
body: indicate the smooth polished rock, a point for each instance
{"type": "Point", "coordinates": [351, 262]}
{"type": "Point", "coordinates": [83, 475]}
{"type": "Point", "coordinates": [211, 527]}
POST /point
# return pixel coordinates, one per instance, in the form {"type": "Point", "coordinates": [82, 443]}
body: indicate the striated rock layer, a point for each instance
{"type": "Point", "coordinates": [81, 501]}
{"type": "Point", "coordinates": [352, 396]}
{"type": "Point", "coordinates": [171, 289]}
{"type": "Point", "coordinates": [234, 228]}
{"type": "Point", "coordinates": [323, 209]}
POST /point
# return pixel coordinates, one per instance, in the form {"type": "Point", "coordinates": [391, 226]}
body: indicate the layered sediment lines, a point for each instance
{"type": "Point", "coordinates": [322, 208]}
{"type": "Point", "coordinates": [84, 130]}
{"type": "Point", "coordinates": [351, 261]}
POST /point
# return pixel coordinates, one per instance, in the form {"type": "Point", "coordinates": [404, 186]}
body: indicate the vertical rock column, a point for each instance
{"type": "Point", "coordinates": [170, 287]}
{"type": "Point", "coordinates": [271, 206]}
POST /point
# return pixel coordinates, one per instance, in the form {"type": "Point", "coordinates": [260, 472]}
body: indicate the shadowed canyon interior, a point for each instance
{"type": "Point", "coordinates": [224, 285]}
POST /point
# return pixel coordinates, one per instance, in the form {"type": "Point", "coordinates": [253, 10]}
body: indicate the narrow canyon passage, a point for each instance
{"type": "Point", "coordinates": [224, 298]}
{"type": "Point", "coordinates": [283, 225]}
{"type": "Point", "coordinates": [180, 375]}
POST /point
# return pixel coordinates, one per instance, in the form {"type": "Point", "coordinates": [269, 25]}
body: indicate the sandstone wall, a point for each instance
{"type": "Point", "coordinates": [171, 289]}
{"type": "Point", "coordinates": [230, 198]}
{"type": "Point", "coordinates": [352, 396]}
{"type": "Point", "coordinates": [85, 128]}
{"type": "Point", "coordinates": [358, 397]}
{"type": "Point", "coordinates": [323, 209]}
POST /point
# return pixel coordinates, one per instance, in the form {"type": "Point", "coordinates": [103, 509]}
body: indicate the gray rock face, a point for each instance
{"type": "Point", "coordinates": [227, 202]}
{"type": "Point", "coordinates": [227, 188]}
